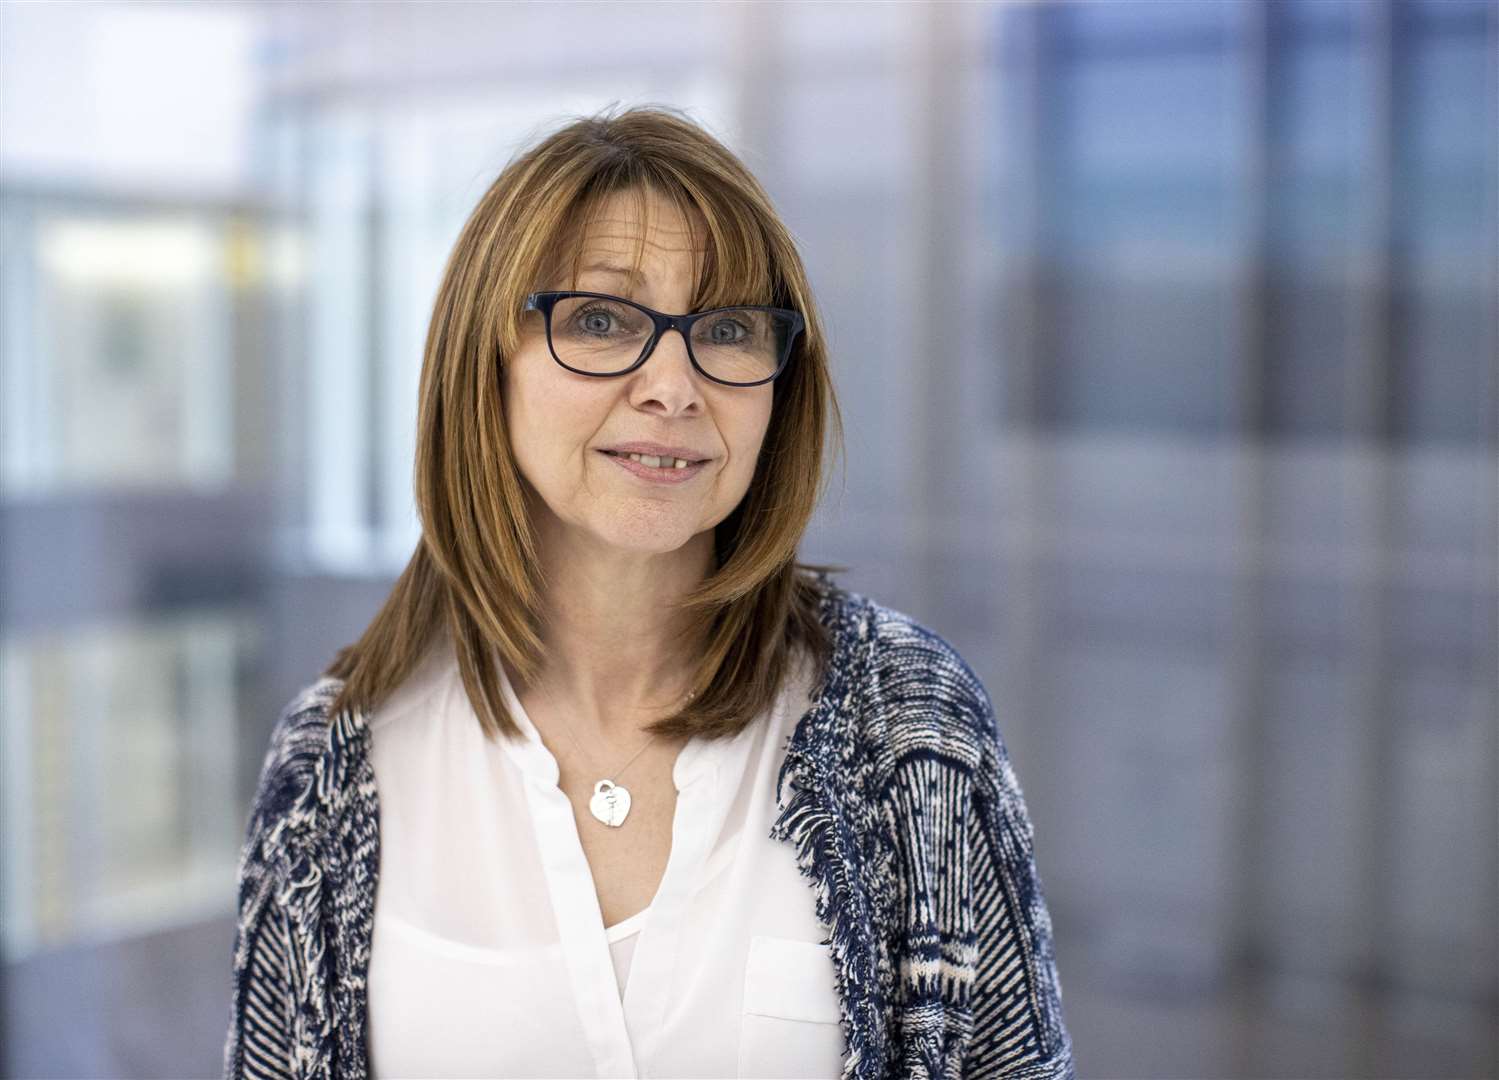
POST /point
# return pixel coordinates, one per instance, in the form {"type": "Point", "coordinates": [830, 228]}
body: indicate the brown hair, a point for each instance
{"type": "Point", "coordinates": [475, 568]}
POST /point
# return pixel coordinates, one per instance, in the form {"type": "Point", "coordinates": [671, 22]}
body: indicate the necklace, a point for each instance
{"type": "Point", "coordinates": [611, 801]}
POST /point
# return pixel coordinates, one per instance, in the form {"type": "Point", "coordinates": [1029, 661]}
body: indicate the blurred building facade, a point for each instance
{"type": "Point", "coordinates": [1165, 335]}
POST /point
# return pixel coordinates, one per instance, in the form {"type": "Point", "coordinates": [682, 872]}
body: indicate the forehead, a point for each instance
{"type": "Point", "coordinates": [640, 235]}
{"type": "Point", "coordinates": [625, 217]}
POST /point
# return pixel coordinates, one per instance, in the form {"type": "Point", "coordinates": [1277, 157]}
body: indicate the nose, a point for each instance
{"type": "Point", "coordinates": [667, 377]}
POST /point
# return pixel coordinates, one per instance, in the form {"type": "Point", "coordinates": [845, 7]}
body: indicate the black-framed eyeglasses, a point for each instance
{"type": "Point", "coordinates": [602, 335]}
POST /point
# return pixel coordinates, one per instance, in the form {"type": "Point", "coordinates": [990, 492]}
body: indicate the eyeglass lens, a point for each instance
{"type": "Point", "coordinates": [605, 336]}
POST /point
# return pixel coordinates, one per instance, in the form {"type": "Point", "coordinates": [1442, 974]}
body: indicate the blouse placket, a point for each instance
{"type": "Point", "coordinates": [623, 1035]}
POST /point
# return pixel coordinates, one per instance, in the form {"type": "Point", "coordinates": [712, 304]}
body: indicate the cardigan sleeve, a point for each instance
{"type": "Point", "coordinates": [259, 1043]}
{"type": "Point", "coordinates": [1018, 1028]}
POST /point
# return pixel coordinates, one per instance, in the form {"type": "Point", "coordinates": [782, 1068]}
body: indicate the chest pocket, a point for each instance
{"type": "Point", "coordinates": [789, 1025]}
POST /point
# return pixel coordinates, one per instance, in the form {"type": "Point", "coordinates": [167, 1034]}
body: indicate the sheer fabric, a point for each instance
{"type": "Point", "coordinates": [489, 955]}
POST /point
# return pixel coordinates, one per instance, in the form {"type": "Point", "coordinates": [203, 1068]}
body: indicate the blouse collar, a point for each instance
{"type": "Point", "coordinates": [698, 760]}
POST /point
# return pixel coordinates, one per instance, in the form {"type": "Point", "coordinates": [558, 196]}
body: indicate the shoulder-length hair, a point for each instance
{"type": "Point", "coordinates": [475, 573]}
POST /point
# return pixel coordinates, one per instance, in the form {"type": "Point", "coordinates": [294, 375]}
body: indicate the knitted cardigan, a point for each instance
{"type": "Point", "coordinates": [896, 795]}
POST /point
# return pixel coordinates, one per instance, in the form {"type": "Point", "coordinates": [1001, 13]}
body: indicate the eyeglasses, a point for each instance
{"type": "Point", "coordinates": [602, 335]}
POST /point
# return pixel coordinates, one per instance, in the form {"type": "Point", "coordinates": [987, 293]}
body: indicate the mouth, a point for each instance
{"type": "Point", "coordinates": [664, 471]}
{"type": "Point", "coordinates": [656, 462]}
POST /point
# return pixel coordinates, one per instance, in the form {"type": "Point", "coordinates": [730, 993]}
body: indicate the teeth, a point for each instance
{"type": "Point", "coordinates": [658, 462]}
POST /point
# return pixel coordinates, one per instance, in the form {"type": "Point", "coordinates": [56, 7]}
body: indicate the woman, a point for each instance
{"type": "Point", "coordinates": [638, 793]}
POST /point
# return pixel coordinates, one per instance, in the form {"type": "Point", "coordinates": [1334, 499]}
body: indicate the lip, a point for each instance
{"type": "Point", "coordinates": [655, 449]}
{"type": "Point", "coordinates": [656, 476]}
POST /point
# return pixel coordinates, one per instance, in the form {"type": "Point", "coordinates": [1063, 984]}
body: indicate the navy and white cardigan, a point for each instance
{"type": "Point", "coordinates": [896, 793]}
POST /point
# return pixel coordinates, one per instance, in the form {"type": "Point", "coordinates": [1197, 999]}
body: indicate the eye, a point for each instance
{"type": "Point", "coordinates": [595, 320]}
{"type": "Point", "coordinates": [727, 331]}
{"type": "Point", "coordinates": [599, 318]}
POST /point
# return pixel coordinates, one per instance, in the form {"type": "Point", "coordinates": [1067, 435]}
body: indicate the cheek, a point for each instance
{"type": "Point", "coordinates": [534, 426]}
{"type": "Point", "coordinates": [545, 422]}
{"type": "Point", "coordinates": [761, 422]}
{"type": "Point", "coordinates": [753, 426]}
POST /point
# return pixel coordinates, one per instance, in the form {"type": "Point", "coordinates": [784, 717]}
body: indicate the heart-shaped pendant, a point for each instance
{"type": "Point", "coordinates": [610, 803]}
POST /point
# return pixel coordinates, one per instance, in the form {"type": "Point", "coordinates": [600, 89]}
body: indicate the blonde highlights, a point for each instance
{"type": "Point", "coordinates": [475, 573]}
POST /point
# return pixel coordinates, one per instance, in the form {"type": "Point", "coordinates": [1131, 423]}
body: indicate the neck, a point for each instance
{"type": "Point", "coordinates": [613, 659]}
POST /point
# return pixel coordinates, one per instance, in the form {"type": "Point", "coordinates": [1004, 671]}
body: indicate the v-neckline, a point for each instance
{"type": "Point", "coordinates": [623, 1031]}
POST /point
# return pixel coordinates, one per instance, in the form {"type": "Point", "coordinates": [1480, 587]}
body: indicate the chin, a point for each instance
{"type": "Point", "coordinates": [648, 537]}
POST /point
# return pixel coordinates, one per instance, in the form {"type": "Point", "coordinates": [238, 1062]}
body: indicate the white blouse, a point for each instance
{"type": "Point", "coordinates": [490, 957]}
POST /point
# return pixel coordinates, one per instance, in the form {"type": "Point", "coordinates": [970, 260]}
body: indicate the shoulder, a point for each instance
{"type": "Point", "coordinates": [919, 696]}
{"type": "Point", "coordinates": [285, 799]}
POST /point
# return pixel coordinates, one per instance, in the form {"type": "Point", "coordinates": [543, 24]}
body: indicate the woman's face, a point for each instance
{"type": "Point", "coordinates": [561, 422]}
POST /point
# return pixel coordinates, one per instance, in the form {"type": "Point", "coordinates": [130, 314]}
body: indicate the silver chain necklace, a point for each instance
{"type": "Point", "coordinates": [611, 801]}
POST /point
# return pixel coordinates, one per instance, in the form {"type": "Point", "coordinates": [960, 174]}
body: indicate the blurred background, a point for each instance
{"type": "Point", "coordinates": [1165, 334]}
